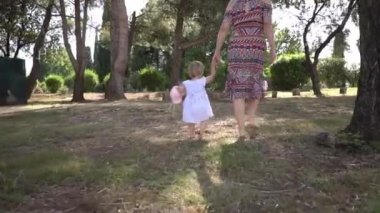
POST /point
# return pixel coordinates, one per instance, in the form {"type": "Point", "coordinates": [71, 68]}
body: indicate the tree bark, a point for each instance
{"type": "Point", "coordinates": [176, 59]}
{"type": "Point", "coordinates": [366, 118]}
{"type": "Point", "coordinates": [78, 92]}
{"type": "Point", "coordinates": [79, 63]}
{"type": "Point", "coordinates": [119, 50]}
{"type": "Point", "coordinates": [131, 35]}
{"type": "Point", "coordinates": [8, 45]}
{"type": "Point", "coordinates": [32, 78]}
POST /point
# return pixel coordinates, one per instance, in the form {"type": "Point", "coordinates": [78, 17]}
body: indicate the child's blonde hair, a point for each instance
{"type": "Point", "coordinates": [196, 69]}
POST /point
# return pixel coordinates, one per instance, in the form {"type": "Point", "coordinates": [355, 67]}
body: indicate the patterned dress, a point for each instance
{"type": "Point", "coordinates": [246, 48]}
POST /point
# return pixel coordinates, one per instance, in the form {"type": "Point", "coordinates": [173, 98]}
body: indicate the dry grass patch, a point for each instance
{"type": "Point", "coordinates": [133, 156]}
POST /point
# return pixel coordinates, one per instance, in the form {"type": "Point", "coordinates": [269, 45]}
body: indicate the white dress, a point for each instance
{"type": "Point", "coordinates": [196, 107]}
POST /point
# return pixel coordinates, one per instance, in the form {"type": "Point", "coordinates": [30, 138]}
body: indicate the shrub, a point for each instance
{"type": "Point", "coordinates": [289, 72]}
{"type": "Point", "coordinates": [106, 78]}
{"type": "Point", "coordinates": [63, 90]}
{"type": "Point", "coordinates": [40, 88]}
{"type": "Point", "coordinates": [353, 75]}
{"type": "Point", "coordinates": [91, 79]}
{"type": "Point", "coordinates": [333, 72]}
{"type": "Point", "coordinates": [69, 81]}
{"type": "Point", "coordinates": [220, 78]}
{"type": "Point", "coordinates": [152, 79]}
{"type": "Point", "coordinates": [101, 87]}
{"type": "Point", "coordinates": [54, 83]}
{"type": "Point", "coordinates": [134, 81]}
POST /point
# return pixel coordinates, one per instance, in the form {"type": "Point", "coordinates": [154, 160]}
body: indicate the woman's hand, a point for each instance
{"type": "Point", "coordinates": [216, 58]}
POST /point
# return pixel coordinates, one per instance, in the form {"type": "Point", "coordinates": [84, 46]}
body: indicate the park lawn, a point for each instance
{"type": "Point", "coordinates": [133, 157]}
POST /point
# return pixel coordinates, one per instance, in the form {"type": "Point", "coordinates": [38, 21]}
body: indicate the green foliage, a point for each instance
{"type": "Point", "coordinates": [40, 88]}
{"type": "Point", "coordinates": [54, 83]}
{"type": "Point", "coordinates": [57, 62]}
{"type": "Point", "coordinates": [91, 79]}
{"type": "Point", "coordinates": [289, 72]}
{"type": "Point", "coordinates": [152, 79]}
{"type": "Point", "coordinates": [353, 75]}
{"type": "Point", "coordinates": [156, 26]}
{"type": "Point", "coordinates": [144, 56]}
{"type": "Point", "coordinates": [69, 81]}
{"type": "Point", "coordinates": [134, 81]}
{"type": "Point", "coordinates": [102, 60]}
{"type": "Point", "coordinates": [63, 90]}
{"type": "Point", "coordinates": [19, 25]}
{"type": "Point", "coordinates": [220, 78]}
{"type": "Point", "coordinates": [287, 42]}
{"type": "Point", "coordinates": [333, 72]}
{"type": "Point", "coordinates": [106, 78]}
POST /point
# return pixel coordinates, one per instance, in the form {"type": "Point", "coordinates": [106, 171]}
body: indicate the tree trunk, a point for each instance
{"type": "Point", "coordinates": [366, 118]}
{"type": "Point", "coordinates": [79, 63]}
{"type": "Point", "coordinates": [176, 59]}
{"type": "Point", "coordinates": [131, 35]}
{"type": "Point", "coordinates": [35, 72]}
{"type": "Point", "coordinates": [312, 68]}
{"type": "Point", "coordinates": [119, 50]}
{"type": "Point", "coordinates": [80, 33]}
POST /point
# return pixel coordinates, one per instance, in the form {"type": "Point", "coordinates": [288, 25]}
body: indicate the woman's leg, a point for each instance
{"type": "Point", "coordinates": [239, 110]}
{"type": "Point", "coordinates": [252, 106]}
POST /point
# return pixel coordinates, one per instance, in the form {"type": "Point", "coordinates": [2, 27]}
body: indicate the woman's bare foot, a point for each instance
{"type": "Point", "coordinates": [252, 130]}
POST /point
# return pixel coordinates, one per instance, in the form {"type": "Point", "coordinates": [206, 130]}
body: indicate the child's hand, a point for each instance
{"type": "Point", "coordinates": [212, 75]}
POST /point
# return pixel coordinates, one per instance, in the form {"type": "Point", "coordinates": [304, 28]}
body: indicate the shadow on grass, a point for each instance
{"type": "Point", "coordinates": [131, 157]}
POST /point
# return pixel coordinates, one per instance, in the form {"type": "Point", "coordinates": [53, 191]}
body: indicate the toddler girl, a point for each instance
{"type": "Point", "coordinates": [196, 106]}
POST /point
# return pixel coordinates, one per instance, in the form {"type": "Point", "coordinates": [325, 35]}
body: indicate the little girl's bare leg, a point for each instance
{"type": "Point", "coordinates": [202, 129]}
{"type": "Point", "coordinates": [191, 130]}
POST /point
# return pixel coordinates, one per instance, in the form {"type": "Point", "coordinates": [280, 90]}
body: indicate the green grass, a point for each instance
{"type": "Point", "coordinates": [130, 156]}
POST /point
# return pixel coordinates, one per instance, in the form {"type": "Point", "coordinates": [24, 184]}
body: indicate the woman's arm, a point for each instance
{"type": "Point", "coordinates": [268, 29]}
{"type": "Point", "coordinates": [223, 31]}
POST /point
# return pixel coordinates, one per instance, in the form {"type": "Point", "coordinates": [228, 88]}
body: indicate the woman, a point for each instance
{"type": "Point", "coordinates": [251, 23]}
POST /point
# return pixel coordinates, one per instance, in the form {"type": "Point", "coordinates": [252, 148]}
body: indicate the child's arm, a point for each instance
{"type": "Point", "coordinates": [212, 75]}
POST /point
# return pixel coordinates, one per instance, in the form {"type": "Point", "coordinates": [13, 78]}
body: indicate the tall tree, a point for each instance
{"type": "Point", "coordinates": [366, 118]}
{"type": "Point", "coordinates": [177, 25]}
{"type": "Point", "coordinates": [20, 24]}
{"type": "Point", "coordinates": [119, 50]}
{"type": "Point", "coordinates": [80, 29]}
{"type": "Point", "coordinates": [336, 27]}
{"type": "Point", "coordinates": [36, 68]}
{"type": "Point", "coordinates": [340, 44]}
{"type": "Point", "coordinates": [287, 42]}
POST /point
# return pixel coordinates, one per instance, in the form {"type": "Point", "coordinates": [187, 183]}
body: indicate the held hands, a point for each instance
{"type": "Point", "coordinates": [212, 75]}
{"type": "Point", "coordinates": [216, 58]}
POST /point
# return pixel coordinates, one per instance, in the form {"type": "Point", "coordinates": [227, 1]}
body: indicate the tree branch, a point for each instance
{"type": "Point", "coordinates": [316, 11]}
{"type": "Point", "coordinates": [19, 45]}
{"type": "Point", "coordinates": [339, 29]}
{"type": "Point", "coordinates": [65, 27]}
{"type": "Point", "coordinates": [188, 44]}
{"type": "Point", "coordinates": [85, 19]}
